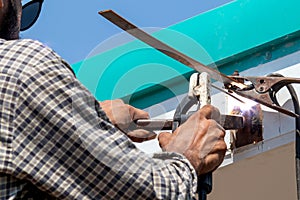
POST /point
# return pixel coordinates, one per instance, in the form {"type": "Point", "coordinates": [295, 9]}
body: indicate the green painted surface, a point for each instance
{"type": "Point", "coordinates": [218, 37]}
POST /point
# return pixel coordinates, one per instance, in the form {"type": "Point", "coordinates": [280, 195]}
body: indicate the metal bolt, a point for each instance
{"type": "Point", "coordinates": [268, 55]}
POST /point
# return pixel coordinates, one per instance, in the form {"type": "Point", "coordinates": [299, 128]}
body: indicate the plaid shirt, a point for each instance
{"type": "Point", "coordinates": [56, 142]}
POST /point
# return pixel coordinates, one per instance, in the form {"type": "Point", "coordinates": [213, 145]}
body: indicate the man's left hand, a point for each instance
{"type": "Point", "coordinates": [122, 115]}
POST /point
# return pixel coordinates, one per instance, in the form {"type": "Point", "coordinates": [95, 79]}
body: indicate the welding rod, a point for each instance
{"type": "Point", "coordinates": [228, 122]}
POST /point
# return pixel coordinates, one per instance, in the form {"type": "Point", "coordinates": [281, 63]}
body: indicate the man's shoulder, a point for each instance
{"type": "Point", "coordinates": [23, 42]}
{"type": "Point", "coordinates": [36, 47]}
{"type": "Point", "coordinates": [28, 48]}
{"type": "Point", "coordinates": [32, 55]}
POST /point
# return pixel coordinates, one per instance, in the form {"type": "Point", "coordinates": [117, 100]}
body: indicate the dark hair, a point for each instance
{"type": "Point", "coordinates": [9, 29]}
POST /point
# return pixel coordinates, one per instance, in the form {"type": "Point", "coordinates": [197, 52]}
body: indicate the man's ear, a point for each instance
{"type": "Point", "coordinates": [1, 4]}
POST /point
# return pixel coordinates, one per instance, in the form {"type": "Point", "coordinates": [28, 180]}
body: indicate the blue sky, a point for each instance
{"type": "Point", "coordinates": [74, 30]}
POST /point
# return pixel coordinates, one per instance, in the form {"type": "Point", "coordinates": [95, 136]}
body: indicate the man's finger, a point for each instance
{"type": "Point", "coordinates": [164, 138]}
{"type": "Point", "coordinates": [137, 113]}
{"type": "Point", "coordinates": [210, 112]}
{"type": "Point", "coordinates": [141, 135]}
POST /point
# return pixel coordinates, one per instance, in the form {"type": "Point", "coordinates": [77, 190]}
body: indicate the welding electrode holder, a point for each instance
{"type": "Point", "coordinates": [181, 114]}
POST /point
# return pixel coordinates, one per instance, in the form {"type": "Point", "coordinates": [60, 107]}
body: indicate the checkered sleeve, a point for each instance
{"type": "Point", "coordinates": [66, 146]}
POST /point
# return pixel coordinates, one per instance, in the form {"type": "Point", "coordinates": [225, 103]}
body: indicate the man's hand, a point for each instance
{"type": "Point", "coordinates": [122, 115]}
{"type": "Point", "coordinates": [200, 139]}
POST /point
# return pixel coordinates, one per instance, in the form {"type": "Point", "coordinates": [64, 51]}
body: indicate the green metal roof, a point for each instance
{"type": "Point", "coordinates": [143, 76]}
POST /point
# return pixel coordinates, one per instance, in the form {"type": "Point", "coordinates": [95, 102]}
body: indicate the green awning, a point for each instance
{"type": "Point", "coordinates": [144, 76]}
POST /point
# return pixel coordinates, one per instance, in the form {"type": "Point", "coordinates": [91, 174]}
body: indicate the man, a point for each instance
{"type": "Point", "coordinates": [57, 142]}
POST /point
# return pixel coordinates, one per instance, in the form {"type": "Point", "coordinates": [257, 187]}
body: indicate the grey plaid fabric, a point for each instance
{"type": "Point", "coordinates": [56, 142]}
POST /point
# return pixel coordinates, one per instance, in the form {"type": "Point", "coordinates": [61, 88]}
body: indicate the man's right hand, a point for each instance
{"type": "Point", "coordinates": [200, 139]}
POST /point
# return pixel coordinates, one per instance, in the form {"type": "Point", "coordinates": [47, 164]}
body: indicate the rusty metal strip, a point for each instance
{"type": "Point", "coordinates": [228, 122]}
{"type": "Point", "coordinates": [167, 50]}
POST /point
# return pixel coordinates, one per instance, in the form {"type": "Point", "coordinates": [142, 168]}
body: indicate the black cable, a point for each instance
{"type": "Point", "coordinates": [297, 131]}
